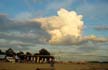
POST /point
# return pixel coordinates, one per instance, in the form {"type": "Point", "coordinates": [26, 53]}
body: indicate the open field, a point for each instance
{"type": "Point", "coordinates": [58, 66]}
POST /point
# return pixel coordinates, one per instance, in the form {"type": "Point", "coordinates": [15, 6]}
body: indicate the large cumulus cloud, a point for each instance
{"type": "Point", "coordinates": [66, 29]}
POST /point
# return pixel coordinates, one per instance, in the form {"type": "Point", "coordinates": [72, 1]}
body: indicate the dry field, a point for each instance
{"type": "Point", "coordinates": [58, 66]}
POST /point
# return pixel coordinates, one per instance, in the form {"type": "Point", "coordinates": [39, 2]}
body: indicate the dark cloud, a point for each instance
{"type": "Point", "coordinates": [21, 31]}
{"type": "Point", "coordinates": [8, 24]}
{"type": "Point", "coordinates": [3, 18]}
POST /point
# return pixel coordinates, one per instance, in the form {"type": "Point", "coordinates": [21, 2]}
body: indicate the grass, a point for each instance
{"type": "Point", "coordinates": [58, 66]}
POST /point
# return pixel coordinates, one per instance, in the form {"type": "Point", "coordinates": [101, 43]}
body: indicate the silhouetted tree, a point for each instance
{"type": "Point", "coordinates": [10, 52]}
{"type": "Point", "coordinates": [21, 55]}
{"type": "Point", "coordinates": [44, 52]}
{"type": "Point", "coordinates": [35, 54]}
{"type": "Point", "coordinates": [28, 54]}
{"type": "Point", "coordinates": [1, 52]}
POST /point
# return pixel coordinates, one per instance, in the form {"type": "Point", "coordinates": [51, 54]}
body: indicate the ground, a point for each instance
{"type": "Point", "coordinates": [58, 66]}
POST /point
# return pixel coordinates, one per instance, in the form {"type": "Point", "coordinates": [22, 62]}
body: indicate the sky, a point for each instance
{"type": "Point", "coordinates": [29, 25]}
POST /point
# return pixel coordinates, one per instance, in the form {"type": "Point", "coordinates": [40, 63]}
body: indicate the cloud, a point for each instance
{"type": "Point", "coordinates": [4, 19]}
{"type": "Point", "coordinates": [52, 30]}
{"type": "Point", "coordinates": [15, 44]}
{"type": "Point", "coordinates": [102, 27]}
{"type": "Point", "coordinates": [21, 31]}
{"type": "Point", "coordinates": [65, 28]}
{"type": "Point", "coordinates": [30, 37]}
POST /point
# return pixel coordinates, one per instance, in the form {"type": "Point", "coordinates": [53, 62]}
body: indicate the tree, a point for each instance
{"type": "Point", "coordinates": [28, 54]}
{"type": "Point", "coordinates": [21, 55]}
{"type": "Point", "coordinates": [35, 54]}
{"type": "Point", "coordinates": [44, 52]}
{"type": "Point", "coordinates": [1, 52]}
{"type": "Point", "coordinates": [10, 52]}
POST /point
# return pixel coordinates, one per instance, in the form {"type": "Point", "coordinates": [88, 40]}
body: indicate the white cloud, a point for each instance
{"type": "Point", "coordinates": [65, 28]}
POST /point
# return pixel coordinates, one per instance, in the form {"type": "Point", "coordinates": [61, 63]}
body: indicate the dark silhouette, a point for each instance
{"type": "Point", "coordinates": [44, 52]}
{"type": "Point", "coordinates": [21, 56]}
{"type": "Point", "coordinates": [1, 52]}
{"type": "Point", "coordinates": [28, 56]}
{"type": "Point", "coordinates": [36, 55]}
{"type": "Point", "coordinates": [10, 52]}
{"type": "Point", "coordinates": [45, 55]}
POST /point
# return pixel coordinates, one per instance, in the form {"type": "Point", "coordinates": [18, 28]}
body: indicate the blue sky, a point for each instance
{"type": "Point", "coordinates": [20, 34]}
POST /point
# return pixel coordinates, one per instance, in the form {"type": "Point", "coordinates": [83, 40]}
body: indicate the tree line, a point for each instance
{"type": "Point", "coordinates": [42, 54]}
{"type": "Point", "coordinates": [10, 52]}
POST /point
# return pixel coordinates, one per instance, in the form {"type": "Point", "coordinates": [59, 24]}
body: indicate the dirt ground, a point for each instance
{"type": "Point", "coordinates": [58, 66]}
